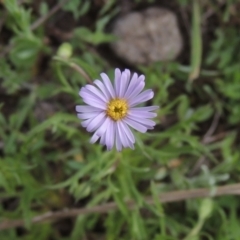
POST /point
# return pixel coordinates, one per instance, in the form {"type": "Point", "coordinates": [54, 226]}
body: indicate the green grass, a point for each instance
{"type": "Point", "coordinates": [47, 163]}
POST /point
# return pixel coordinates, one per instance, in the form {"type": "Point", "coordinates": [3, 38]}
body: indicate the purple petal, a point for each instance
{"type": "Point", "coordinates": [142, 97]}
{"type": "Point", "coordinates": [130, 144]}
{"type": "Point", "coordinates": [86, 108]}
{"type": "Point", "coordinates": [150, 108]}
{"type": "Point", "coordinates": [103, 139]}
{"type": "Point", "coordinates": [128, 132]}
{"type": "Point", "coordinates": [127, 71]}
{"type": "Point", "coordinates": [108, 84]}
{"type": "Point", "coordinates": [85, 94]}
{"type": "Point", "coordinates": [87, 115]}
{"type": "Point", "coordinates": [122, 135]}
{"type": "Point", "coordinates": [96, 122]}
{"type": "Point", "coordinates": [124, 83]}
{"type": "Point", "coordinates": [104, 126]}
{"type": "Point", "coordinates": [94, 138]}
{"type": "Point", "coordinates": [146, 122]}
{"type": "Point", "coordinates": [137, 126]}
{"type": "Point", "coordinates": [141, 114]}
{"type": "Point", "coordinates": [95, 91]}
{"type": "Point", "coordinates": [117, 81]}
{"type": "Point", "coordinates": [103, 89]}
{"type": "Point", "coordinates": [125, 139]}
{"type": "Point", "coordinates": [133, 84]}
{"type": "Point", "coordinates": [100, 131]}
{"type": "Point", "coordinates": [95, 104]}
{"type": "Point", "coordinates": [86, 122]}
{"type": "Point", "coordinates": [136, 91]}
{"type": "Point", "coordinates": [110, 135]}
{"type": "Point", "coordinates": [118, 140]}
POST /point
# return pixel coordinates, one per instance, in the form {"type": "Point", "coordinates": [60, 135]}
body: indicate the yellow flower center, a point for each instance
{"type": "Point", "coordinates": [117, 109]}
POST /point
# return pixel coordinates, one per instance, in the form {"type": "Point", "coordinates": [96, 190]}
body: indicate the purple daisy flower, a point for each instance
{"type": "Point", "coordinates": [111, 109]}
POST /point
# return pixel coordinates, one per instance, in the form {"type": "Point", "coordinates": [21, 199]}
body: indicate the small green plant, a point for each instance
{"type": "Point", "coordinates": [54, 184]}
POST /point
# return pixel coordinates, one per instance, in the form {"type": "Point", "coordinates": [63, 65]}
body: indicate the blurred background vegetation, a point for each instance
{"type": "Point", "coordinates": [55, 185]}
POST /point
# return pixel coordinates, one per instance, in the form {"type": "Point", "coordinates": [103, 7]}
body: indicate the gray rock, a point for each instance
{"type": "Point", "coordinates": [148, 36]}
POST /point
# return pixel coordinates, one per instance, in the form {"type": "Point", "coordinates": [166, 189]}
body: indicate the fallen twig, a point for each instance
{"type": "Point", "coordinates": [174, 196]}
